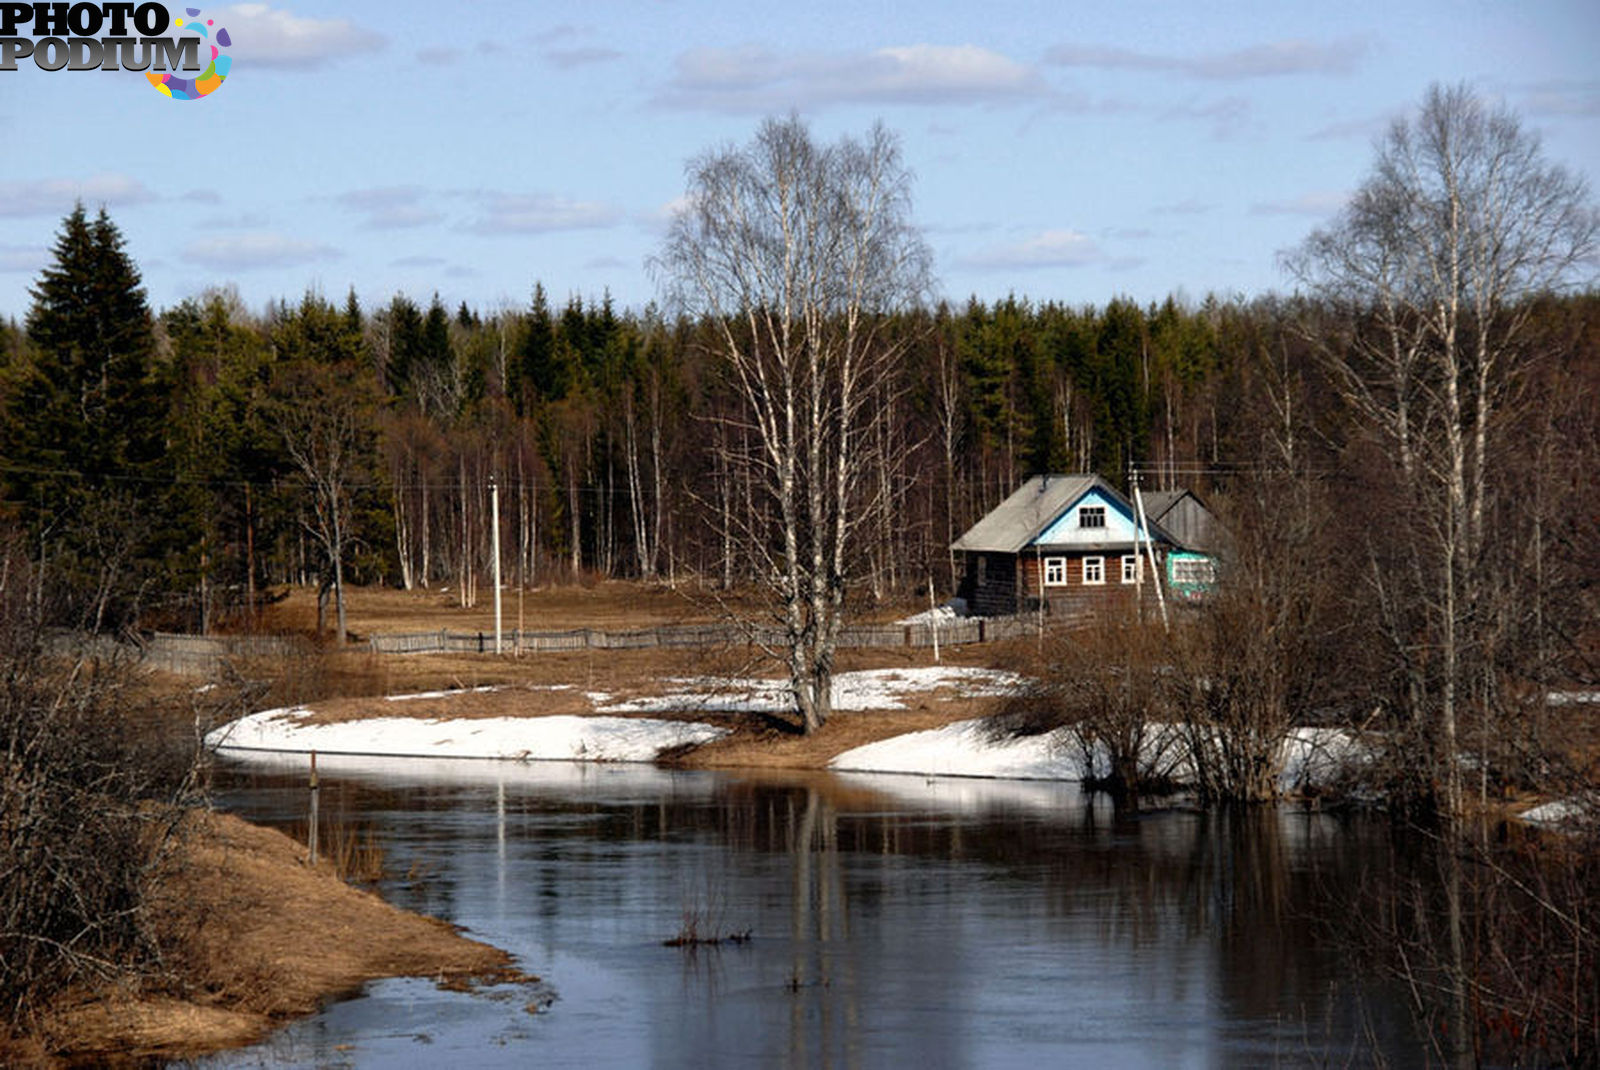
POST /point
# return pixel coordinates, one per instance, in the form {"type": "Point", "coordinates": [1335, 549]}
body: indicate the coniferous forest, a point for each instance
{"type": "Point", "coordinates": [170, 465]}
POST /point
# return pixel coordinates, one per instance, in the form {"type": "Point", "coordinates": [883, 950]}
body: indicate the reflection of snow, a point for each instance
{"type": "Point", "coordinates": [603, 739]}
{"type": "Point", "coordinates": [874, 689]}
{"type": "Point", "coordinates": [613, 780]}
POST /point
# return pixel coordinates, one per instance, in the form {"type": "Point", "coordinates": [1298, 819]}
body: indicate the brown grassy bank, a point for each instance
{"type": "Point", "coordinates": [252, 937]}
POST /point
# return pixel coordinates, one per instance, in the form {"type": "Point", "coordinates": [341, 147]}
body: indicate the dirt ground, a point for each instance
{"type": "Point", "coordinates": [255, 936]}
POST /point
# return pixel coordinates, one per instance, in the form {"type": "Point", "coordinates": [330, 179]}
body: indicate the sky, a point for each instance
{"type": "Point", "coordinates": [1069, 152]}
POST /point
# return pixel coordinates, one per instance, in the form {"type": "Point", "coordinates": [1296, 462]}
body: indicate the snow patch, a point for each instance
{"type": "Point", "coordinates": [451, 693]}
{"type": "Point", "coordinates": [967, 749]}
{"type": "Point", "coordinates": [955, 609]}
{"type": "Point", "coordinates": [1575, 811]}
{"type": "Point", "coordinates": [872, 689]}
{"type": "Point", "coordinates": [563, 737]}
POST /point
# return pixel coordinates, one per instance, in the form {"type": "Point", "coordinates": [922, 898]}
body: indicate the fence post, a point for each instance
{"type": "Point", "coordinates": [311, 836]}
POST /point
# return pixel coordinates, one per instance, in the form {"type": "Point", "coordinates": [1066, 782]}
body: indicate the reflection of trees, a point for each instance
{"type": "Point", "coordinates": [875, 919]}
{"type": "Point", "coordinates": [819, 931]}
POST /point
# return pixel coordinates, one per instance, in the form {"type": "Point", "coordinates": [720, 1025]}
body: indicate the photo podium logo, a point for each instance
{"type": "Point", "coordinates": [119, 36]}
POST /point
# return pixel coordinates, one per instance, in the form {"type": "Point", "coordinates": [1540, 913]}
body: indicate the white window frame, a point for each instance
{"type": "Point", "coordinates": [1134, 574]}
{"type": "Point", "coordinates": [1098, 512]}
{"type": "Point", "coordinates": [1054, 572]}
{"type": "Point", "coordinates": [1099, 564]}
{"type": "Point", "coordinates": [1194, 572]}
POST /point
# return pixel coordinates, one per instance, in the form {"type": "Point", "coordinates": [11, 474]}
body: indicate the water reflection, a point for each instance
{"type": "Point", "coordinates": [896, 921]}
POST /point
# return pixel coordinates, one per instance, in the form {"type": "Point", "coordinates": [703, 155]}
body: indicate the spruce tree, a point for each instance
{"type": "Point", "coordinates": [85, 426]}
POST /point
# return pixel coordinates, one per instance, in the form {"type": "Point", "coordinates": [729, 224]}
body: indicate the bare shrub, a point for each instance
{"type": "Point", "coordinates": [1256, 656]}
{"type": "Point", "coordinates": [86, 787]}
{"type": "Point", "coordinates": [1110, 685]}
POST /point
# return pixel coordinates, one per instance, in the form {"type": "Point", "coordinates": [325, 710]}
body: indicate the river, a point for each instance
{"type": "Point", "coordinates": [893, 920]}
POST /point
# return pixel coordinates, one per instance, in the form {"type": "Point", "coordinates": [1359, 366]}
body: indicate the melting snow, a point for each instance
{"type": "Point", "coordinates": [874, 689]}
{"type": "Point", "coordinates": [599, 739]}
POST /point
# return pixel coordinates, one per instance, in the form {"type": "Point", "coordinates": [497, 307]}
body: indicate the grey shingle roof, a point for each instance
{"type": "Point", "coordinates": [1034, 506]}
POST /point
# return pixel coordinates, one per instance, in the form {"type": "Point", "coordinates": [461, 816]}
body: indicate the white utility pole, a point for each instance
{"type": "Point", "coordinates": [494, 529]}
{"type": "Point", "coordinates": [1150, 549]}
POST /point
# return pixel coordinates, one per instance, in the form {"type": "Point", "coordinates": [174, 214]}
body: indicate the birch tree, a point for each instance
{"type": "Point", "coordinates": [1430, 269]}
{"type": "Point", "coordinates": [796, 252]}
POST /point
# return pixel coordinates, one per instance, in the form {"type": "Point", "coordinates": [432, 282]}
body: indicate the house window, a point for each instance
{"type": "Point", "coordinates": [1194, 571]}
{"type": "Point", "coordinates": [1055, 571]}
{"type": "Point", "coordinates": [1094, 570]}
{"type": "Point", "coordinates": [983, 570]}
{"type": "Point", "coordinates": [1132, 568]}
{"type": "Point", "coordinates": [1091, 516]}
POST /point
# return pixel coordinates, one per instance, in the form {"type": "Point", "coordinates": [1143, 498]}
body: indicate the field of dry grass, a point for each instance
{"type": "Point", "coordinates": [612, 605]}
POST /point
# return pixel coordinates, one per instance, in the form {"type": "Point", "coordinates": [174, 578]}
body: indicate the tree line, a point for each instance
{"type": "Point", "coordinates": [169, 467]}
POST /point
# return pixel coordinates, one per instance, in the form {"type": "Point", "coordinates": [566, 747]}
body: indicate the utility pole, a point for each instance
{"type": "Point", "coordinates": [1150, 550]}
{"type": "Point", "coordinates": [494, 536]}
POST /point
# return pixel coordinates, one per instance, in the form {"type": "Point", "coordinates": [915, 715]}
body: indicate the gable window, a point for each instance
{"type": "Point", "coordinates": [1094, 570]}
{"type": "Point", "coordinates": [1091, 516]}
{"type": "Point", "coordinates": [1132, 567]}
{"type": "Point", "coordinates": [1055, 571]}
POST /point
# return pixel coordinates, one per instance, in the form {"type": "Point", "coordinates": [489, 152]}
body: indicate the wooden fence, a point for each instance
{"type": "Point", "coordinates": [202, 655]}
{"type": "Point", "coordinates": [949, 633]}
{"type": "Point", "coordinates": [205, 655]}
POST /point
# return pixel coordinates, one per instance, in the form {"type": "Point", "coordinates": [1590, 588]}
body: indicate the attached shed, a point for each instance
{"type": "Point", "coordinates": [1070, 540]}
{"type": "Point", "coordinates": [1191, 565]}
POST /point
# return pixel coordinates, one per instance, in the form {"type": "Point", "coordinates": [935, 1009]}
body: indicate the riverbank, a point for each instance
{"type": "Point", "coordinates": [252, 936]}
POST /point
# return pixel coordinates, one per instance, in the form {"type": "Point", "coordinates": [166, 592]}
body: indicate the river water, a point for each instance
{"type": "Point", "coordinates": [894, 921]}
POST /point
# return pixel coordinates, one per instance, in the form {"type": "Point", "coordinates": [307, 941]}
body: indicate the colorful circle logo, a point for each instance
{"type": "Point", "coordinates": [216, 71]}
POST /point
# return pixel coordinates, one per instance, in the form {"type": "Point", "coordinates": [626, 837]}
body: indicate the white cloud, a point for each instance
{"type": "Point", "coordinates": [1046, 249]}
{"type": "Point", "coordinates": [439, 56]}
{"type": "Point", "coordinates": [752, 79]}
{"type": "Point", "coordinates": [56, 196]}
{"type": "Point", "coordinates": [1187, 206]}
{"type": "Point", "coordinates": [1362, 129]}
{"type": "Point", "coordinates": [1320, 204]}
{"type": "Point", "coordinates": [268, 37]}
{"type": "Point", "coordinates": [390, 207]}
{"type": "Point", "coordinates": [1230, 117]}
{"type": "Point", "coordinates": [567, 58]}
{"type": "Point", "coordinates": [1269, 60]}
{"type": "Point", "coordinates": [23, 258]}
{"type": "Point", "coordinates": [539, 213]}
{"type": "Point", "coordinates": [1566, 98]}
{"type": "Point", "coordinates": [246, 252]}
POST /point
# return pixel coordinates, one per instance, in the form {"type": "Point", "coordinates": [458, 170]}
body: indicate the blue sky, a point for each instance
{"type": "Point", "coordinates": [1068, 152]}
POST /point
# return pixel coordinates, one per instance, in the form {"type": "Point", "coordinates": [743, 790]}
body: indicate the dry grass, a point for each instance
{"type": "Point", "coordinates": [613, 605]}
{"type": "Point", "coordinates": [255, 937]}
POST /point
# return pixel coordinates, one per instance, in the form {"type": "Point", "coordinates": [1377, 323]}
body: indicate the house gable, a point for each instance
{"type": "Point", "coordinates": [1067, 530]}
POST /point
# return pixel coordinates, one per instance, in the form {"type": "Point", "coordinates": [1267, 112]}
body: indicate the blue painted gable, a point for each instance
{"type": "Point", "coordinates": [1066, 530]}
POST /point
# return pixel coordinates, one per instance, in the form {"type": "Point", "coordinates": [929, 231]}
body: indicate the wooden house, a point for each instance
{"type": "Point", "coordinates": [1070, 543]}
